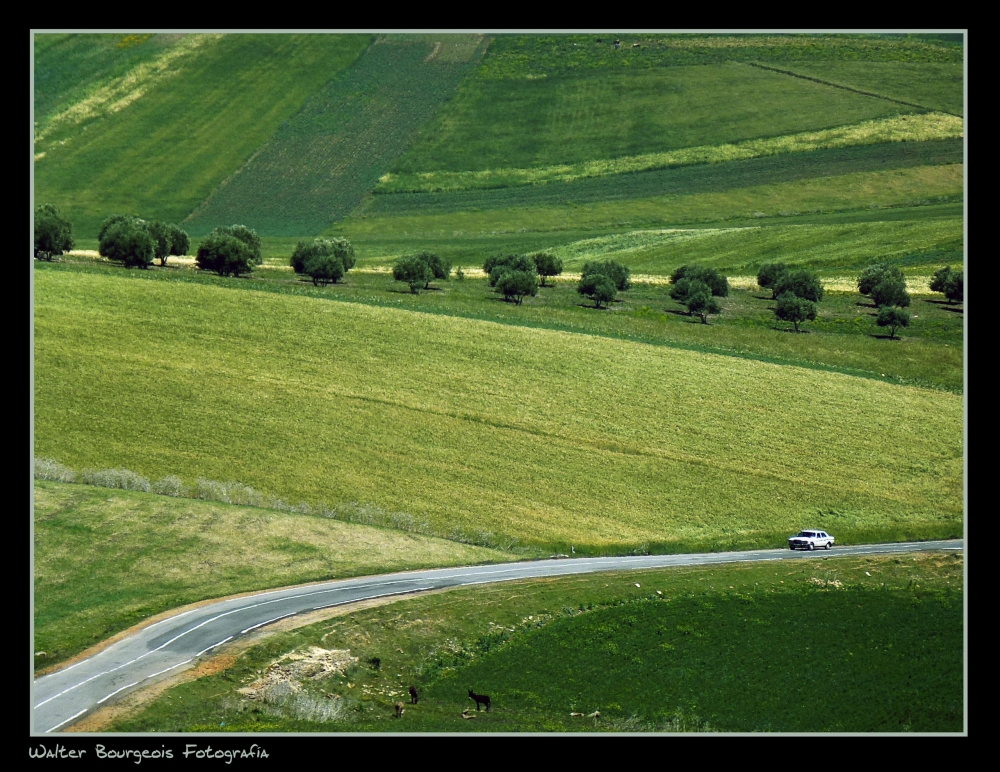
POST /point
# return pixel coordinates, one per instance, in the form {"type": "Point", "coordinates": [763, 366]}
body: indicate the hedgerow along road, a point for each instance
{"type": "Point", "coordinates": [160, 650]}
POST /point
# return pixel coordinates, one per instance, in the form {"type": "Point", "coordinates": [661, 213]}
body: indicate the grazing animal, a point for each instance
{"type": "Point", "coordinates": [413, 695]}
{"type": "Point", "coordinates": [576, 714]}
{"type": "Point", "coordinates": [595, 714]}
{"type": "Point", "coordinates": [481, 699]}
{"type": "Point", "coordinates": [617, 44]}
{"type": "Point", "coordinates": [635, 45]}
{"type": "Point", "coordinates": [399, 710]}
{"type": "Point", "coordinates": [465, 714]}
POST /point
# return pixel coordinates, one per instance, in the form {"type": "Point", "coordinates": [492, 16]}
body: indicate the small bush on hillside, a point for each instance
{"type": "Point", "coordinates": [48, 469]}
{"type": "Point", "coordinates": [228, 493]}
{"type": "Point", "coordinates": [53, 232]}
{"type": "Point", "coordinates": [170, 486]}
{"type": "Point", "coordinates": [123, 479]}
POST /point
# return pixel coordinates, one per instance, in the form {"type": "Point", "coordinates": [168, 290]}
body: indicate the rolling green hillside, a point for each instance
{"type": "Point", "coordinates": [550, 437]}
{"type": "Point", "coordinates": [156, 136]}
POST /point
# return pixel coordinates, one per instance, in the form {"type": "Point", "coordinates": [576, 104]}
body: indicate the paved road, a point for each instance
{"type": "Point", "coordinates": [156, 651]}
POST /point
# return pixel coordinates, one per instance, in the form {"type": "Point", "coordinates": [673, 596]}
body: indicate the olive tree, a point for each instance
{"type": "Point", "coordinates": [717, 283]}
{"type": "Point", "coordinates": [954, 288]}
{"type": "Point", "coordinates": [877, 273]}
{"type": "Point", "coordinates": [940, 279]}
{"type": "Point", "coordinates": [324, 269]}
{"type": "Point", "coordinates": [496, 266]}
{"type": "Point", "coordinates": [126, 239]}
{"type": "Point", "coordinates": [415, 272]}
{"type": "Point", "coordinates": [893, 318]}
{"type": "Point", "coordinates": [339, 248]}
{"type": "Point", "coordinates": [547, 264]}
{"type": "Point", "coordinates": [619, 275]}
{"type": "Point", "coordinates": [439, 268]}
{"type": "Point", "coordinates": [891, 291]}
{"type": "Point", "coordinates": [598, 287]}
{"type": "Point", "coordinates": [53, 232]}
{"type": "Point", "coordinates": [801, 283]}
{"type": "Point", "coordinates": [516, 285]}
{"type": "Point", "coordinates": [168, 239]}
{"type": "Point", "coordinates": [225, 253]}
{"type": "Point", "coordinates": [767, 277]}
{"type": "Point", "coordinates": [794, 309]}
{"type": "Point", "coordinates": [699, 300]}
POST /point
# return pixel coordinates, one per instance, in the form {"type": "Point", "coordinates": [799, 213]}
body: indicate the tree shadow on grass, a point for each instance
{"type": "Point", "coordinates": [886, 337]}
{"type": "Point", "coordinates": [792, 330]}
{"type": "Point", "coordinates": [953, 309]}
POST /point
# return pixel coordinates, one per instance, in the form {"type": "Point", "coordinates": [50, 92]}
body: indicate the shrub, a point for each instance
{"type": "Point", "coordinates": [170, 486]}
{"type": "Point", "coordinates": [768, 276]}
{"type": "Point", "coordinates": [53, 233]}
{"type": "Point", "coordinates": [48, 469]}
{"type": "Point", "coordinates": [717, 283]}
{"type": "Point", "coordinates": [515, 285]}
{"type": "Point", "coordinates": [802, 283]}
{"type": "Point", "coordinates": [127, 240]}
{"type": "Point", "coordinates": [794, 309]}
{"type": "Point", "coordinates": [228, 493]}
{"type": "Point", "coordinates": [547, 264]}
{"type": "Point", "coordinates": [124, 479]}
{"type": "Point", "coordinates": [893, 318]}
{"type": "Point", "coordinates": [413, 271]}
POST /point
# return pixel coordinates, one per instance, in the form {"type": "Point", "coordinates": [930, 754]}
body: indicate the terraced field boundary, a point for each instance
{"type": "Point", "coordinates": [846, 88]}
{"type": "Point", "coordinates": [321, 162]}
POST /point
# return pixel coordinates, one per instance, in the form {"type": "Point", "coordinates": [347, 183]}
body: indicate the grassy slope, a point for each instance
{"type": "Point", "coordinates": [163, 153]}
{"type": "Point", "coordinates": [934, 85]}
{"type": "Point", "coordinates": [883, 652]}
{"type": "Point", "coordinates": [550, 437]}
{"type": "Point", "coordinates": [157, 553]}
{"type": "Point", "coordinates": [319, 164]}
{"type": "Point", "coordinates": [566, 119]}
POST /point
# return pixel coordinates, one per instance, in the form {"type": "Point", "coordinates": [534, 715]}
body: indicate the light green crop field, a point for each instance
{"type": "Point", "coordinates": [157, 139]}
{"type": "Point", "coordinates": [936, 85]}
{"type": "Point", "coordinates": [107, 559]}
{"type": "Point", "coordinates": [550, 437]}
{"type": "Point", "coordinates": [876, 643]}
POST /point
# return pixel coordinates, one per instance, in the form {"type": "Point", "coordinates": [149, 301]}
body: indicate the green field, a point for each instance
{"type": "Point", "coordinates": [157, 553]}
{"type": "Point", "coordinates": [527, 432]}
{"type": "Point", "coordinates": [832, 644]}
{"type": "Point", "coordinates": [320, 163]}
{"type": "Point", "coordinates": [159, 138]}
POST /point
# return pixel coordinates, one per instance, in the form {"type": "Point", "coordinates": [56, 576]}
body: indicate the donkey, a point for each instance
{"type": "Point", "coordinates": [399, 710]}
{"type": "Point", "coordinates": [481, 699]}
{"type": "Point", "coordinates": [413, 695]}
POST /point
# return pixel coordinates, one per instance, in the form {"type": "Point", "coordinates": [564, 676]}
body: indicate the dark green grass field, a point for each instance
{"type": "Point", "coordinates": [820, 645]}
{"type": "Point", "coordinates": [319, 164]}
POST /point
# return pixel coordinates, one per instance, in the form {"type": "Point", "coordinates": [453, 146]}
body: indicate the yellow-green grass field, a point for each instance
{"type": "Point", "coordinates": [551, 437]}
{"type": "Point", "coordinates": [861, 190]}
{"type": "Point", "coordinates": [107, 559]}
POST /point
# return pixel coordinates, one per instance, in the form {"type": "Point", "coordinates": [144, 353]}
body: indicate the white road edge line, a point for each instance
{"type": "Point", "coordinates": [161, 672]}
{"type": "Point", "coordinates": [261, 624]}
{"type": "Point", "coordinates": [213, 646]}
{"type": "Point", "coordinates": [372, 597]}
{"type": "Point", "coordinates": [66, 721]}
{"type": "Point", "coordinates": [116, 692]}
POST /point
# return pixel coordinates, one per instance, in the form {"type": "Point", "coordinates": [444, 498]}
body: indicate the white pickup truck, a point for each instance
{"type": "Point", "coordinates": [810, 540]}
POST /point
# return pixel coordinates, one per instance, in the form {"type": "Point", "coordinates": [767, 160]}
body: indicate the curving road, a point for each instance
{"type": "Point", "coordinates": [154, 652]}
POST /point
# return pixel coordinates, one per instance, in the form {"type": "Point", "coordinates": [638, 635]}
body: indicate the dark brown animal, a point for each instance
{"type": "Point", "coordinates": [481, 699]}
{"type": "Point", "coordinates": [413, 695]}
{"type": "Point", "coordinates": [399, 710]}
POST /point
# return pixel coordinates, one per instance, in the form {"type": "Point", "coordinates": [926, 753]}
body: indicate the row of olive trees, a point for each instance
{"type": "Point", "coordinates": [135, 242]}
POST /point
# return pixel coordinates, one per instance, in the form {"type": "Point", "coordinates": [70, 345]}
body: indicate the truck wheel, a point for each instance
{"type": "Point", "coordinates": [828, 545]}
{"type": "Point", "coordinates": [811, 546]}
